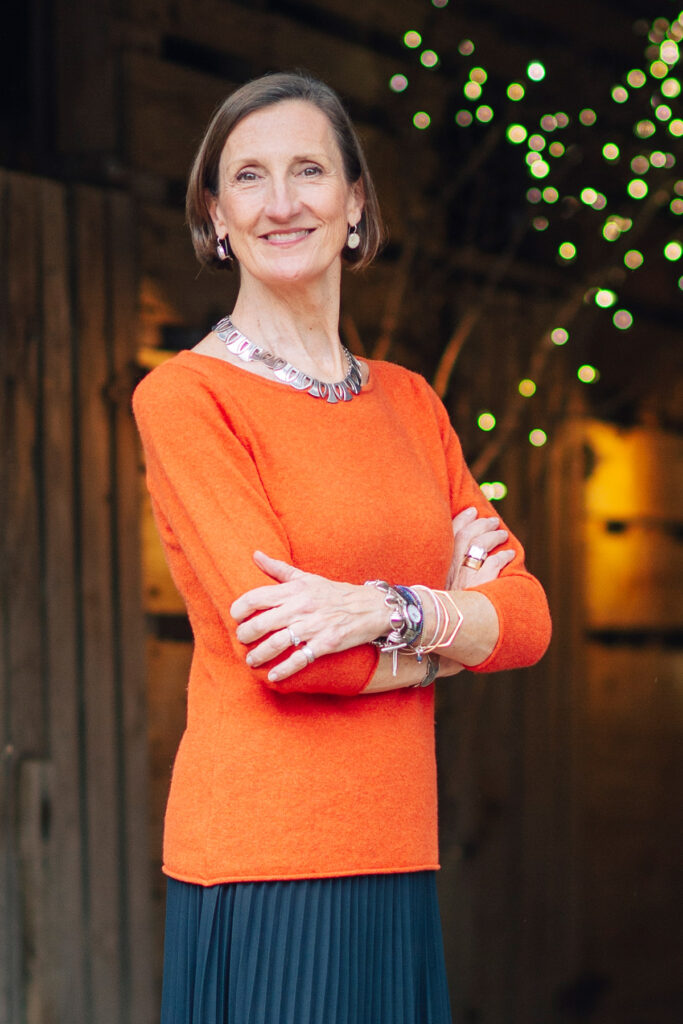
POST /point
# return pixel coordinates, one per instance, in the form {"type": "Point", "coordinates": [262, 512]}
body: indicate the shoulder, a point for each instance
{"type": "Point", "coordinates": [180, 383]}
{"type": "Point", "coordinates": [402, 384]}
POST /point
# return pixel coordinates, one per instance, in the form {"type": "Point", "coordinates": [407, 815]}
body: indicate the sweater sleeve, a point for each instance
{"type": "Point", "coordinates": [517, 596]}
{"type": "Point", "coordinates": [210, 505]}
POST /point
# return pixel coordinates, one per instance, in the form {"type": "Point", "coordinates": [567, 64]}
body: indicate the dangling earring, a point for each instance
{"type": "Point", "coordinates": [223, 249]}
{"type": "Point", "coordinates": [353, 238]}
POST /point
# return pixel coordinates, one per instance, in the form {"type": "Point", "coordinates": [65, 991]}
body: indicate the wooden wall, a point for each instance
{"type": "Point", "coordinates": [74, 895]}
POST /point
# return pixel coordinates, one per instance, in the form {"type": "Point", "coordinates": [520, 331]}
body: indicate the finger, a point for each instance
{"type": "Point", "coordinates": [294, 663]}
{"type": "Point", "coordinates": [467, 515]}
{"type": "Point", "coordinates": [275, 645]}
{"type": "Point", "coordinates": [472, 531]}
{"type": "Point", "coordinates": [492, 567]}
{"type": "Point", "coordinates": [275, 567]}
{"type": "Point", "coordinates": [262, 624]}
{"type": "Point", "coordinates": [257, 599]}
{"type": "Point", "coordinates": [491, 539]}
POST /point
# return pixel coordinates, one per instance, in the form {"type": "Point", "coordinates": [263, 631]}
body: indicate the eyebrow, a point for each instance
{"type": "Point", "coordinates": [319, 158]}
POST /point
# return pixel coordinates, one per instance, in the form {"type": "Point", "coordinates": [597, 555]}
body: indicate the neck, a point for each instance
{"type": "Point", "coordinates": [301, 324]}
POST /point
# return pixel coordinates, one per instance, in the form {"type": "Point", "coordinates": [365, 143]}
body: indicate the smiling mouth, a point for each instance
{"type": "Point", "coordinates": [287, 236]}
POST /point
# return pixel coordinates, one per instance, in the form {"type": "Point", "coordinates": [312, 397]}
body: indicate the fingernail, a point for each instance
{"type": "Point", "coordinates": [471, 511]}
{"type": "Point", "coordinates": [273, 676]}
{"type": "Point", "coordinates": [250, 660]}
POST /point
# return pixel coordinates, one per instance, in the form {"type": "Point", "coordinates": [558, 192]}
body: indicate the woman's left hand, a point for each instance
{"type": "Point", "coordinates": [322, 615]}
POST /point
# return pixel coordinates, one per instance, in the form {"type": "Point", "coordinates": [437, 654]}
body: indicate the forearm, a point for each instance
{"type": "Point", "coordinates": [477, 636]}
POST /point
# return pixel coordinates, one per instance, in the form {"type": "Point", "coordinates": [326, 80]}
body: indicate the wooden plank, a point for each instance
{"type": "Point", "coordinates": [103, 839]}
{"type": "Point", "coordinates": [131, 713]}
{"type": "Point", "coordinates": [68, 979]}
{"type": "Point", "coordinates": [36, 800]}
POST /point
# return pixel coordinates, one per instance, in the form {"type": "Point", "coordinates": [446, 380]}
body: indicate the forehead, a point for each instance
{"type": "Point", "coordinates": [290, 126]}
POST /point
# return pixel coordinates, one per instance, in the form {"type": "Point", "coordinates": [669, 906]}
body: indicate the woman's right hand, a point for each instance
{"type": "Point", "coordinates": [485, 532]}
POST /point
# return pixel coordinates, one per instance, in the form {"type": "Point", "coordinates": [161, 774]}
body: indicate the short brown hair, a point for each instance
{"type": "Point", "coordinates": [264, 92]}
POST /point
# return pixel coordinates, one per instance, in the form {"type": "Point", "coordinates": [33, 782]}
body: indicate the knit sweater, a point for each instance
{"type": "Point", "coordinates": [306, 777]}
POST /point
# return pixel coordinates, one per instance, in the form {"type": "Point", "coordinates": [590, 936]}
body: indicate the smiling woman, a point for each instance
{"type": "Point", "coordinates": [300, 837]}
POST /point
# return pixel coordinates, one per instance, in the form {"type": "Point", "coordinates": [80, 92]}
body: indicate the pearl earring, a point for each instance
{"type": "Point", "coordinates": [353, 239]}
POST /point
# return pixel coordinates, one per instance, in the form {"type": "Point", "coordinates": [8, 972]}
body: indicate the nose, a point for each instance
{"type": "Point", "coordinates": [283, 201]}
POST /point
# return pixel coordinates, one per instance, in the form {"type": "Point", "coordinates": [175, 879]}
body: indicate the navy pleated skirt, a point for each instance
{"type": "Point", "coordinates": [361, 950]}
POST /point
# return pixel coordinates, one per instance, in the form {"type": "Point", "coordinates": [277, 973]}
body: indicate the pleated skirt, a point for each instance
{"type": "Point", "coordinates": [361, 950]}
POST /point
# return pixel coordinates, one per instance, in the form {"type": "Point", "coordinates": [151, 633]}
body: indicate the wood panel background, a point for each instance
{"type": "Point", "coordinates": [73, 810]}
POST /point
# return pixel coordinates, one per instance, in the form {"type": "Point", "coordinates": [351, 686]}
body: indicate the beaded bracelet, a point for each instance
{"type": "Point", "coordinates": [406, 619]}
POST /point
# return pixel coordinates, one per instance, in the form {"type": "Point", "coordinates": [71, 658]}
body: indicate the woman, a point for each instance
{"type": "Point", "coordinates": [300, 838]}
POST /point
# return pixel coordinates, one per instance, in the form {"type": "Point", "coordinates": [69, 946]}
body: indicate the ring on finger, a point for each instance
{"type": "Point", "coordinates": [308, 654]}
{"type": "Point", "coordinates": [296, 640]}
{"type": "Point", "coordinates": [475, 556]}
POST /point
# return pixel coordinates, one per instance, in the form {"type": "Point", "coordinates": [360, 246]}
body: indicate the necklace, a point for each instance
{"type": "Point", "coordinates": [341, 391]}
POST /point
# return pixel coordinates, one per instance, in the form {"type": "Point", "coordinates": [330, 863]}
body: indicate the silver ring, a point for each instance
{"type": "Point", "coordinates": [475, 556]}
{"type": "Point", "coordinates": [308, 653]}
{"type": "Point", "coordinates": [296, 640]}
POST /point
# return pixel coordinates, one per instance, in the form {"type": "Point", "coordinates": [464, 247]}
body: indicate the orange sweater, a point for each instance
{"type": "Point", "coordinates": [301, 778]}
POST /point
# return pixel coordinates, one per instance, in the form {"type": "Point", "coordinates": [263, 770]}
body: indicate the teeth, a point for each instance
{"type": "Point", "coordinates": [287, 236]}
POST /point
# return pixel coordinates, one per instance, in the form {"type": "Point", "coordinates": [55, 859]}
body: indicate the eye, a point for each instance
{"type": "Point", "coordinates": [245, 176]}
{"type": "Point", "coordinates": [311, 171]}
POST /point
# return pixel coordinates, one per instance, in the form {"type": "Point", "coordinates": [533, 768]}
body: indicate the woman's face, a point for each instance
{"type": "Point", "coordinates": [283, 198]}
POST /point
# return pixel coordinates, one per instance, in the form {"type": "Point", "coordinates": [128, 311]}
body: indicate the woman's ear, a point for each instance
{"type": "Point", "coordinates": [212, 205]}
{"type": "Point", "coordinates": [356, 202]}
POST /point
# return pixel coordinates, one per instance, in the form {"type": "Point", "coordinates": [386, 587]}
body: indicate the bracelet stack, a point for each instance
{"type": "Point", "coordinates": [407, 623]}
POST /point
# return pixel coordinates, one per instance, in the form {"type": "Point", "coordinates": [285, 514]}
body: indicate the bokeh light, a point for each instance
{"type": "Point", "coordinates": [567, 250]}
{"type": "Point", "coordinates": [429, 59]}
{"type": "Point", "coordinates": [669, 51]}
{"type": "Point", "coordinates": [636, 78]}
{"type": "Point", "coordinates": [515, 92]}
{"type": "Point", "coordinates": [663, 112]}
{"type": "Point", "coordinates": [588, 196]}
{"type": "Point", "coordinates": [622, 319]}
{"type": "Point", "coordinates": [559, 336]}
{"type": "Point", "coordinates": [486, 421]}
{"type": "Point", "coordinates": [422, 119]}
{"type": "Point", "coordinates": [556, 149]}
{"type": "Point", "coordinates": [464, 118]}
{"type": "Point", "coordinates": [538, 437]}
{"type": "Point", "coordinates": [536, 142]}
{"type": "Point", "coordinates": [494, 491]}
{"type": "Point", "coordinates": [659, 69]}
{"type": "Point", "coordinates": [472, 90]}
{"type": "Point", "coordinates": [526, 388]}
{"type": "Point", "coordinates": [484, 114]}
{"type": "Point", "coordinates": [534, 195]}
{"type": "Point", "coordinates": [587, 374]}
{"type": "Point", "coordinates": [412, 39]}
{"type": "Point", "coordinates": [398, 83]}
{"type": "Point", "coordinates": [540, 169]}
{"type": "Point", "coordinates": [548, 123]}
{"type": "Point", "coordinates": [610, 151]}
{"type": "Point", "coordinates": [676, 127]}
{"type": "Point", "coordinates": [619, 94]}
{"type": "Point", "coordinates": [466, 47]}
{"type": "Point", "coordinates": [516, 133]}
{"type": "Point", "coordinates": [540, 223]}
{"type": "Point", "coordinates": [605, 298]}
{"type": "Point", "coordinates": [676, 206]}
{"type": "Point", "coordinates": [478, 75]}
{"type": "Point", "coordinates": [637, 188]}
{"type": "Point", "coordinates": [588, 116]}
{"type": "Point", "coordinates": [562, 119]}
{"type": "Point", "coordinates": [645, 128]}
{"type": "Point", "coordinates": [550, 194]}
{"type": "Point", "coordinates": [536, 71]}
{"type": "Point", "coordinates": [671, 88]}
{"type": "Point", "coordinates": [673, 251]}
{"type": "Point", "coordinates": [633, 259]}
{"type": "Point", "coordinates": [640, 165]}
{"type": "Point", "coordinates": [658, 159]}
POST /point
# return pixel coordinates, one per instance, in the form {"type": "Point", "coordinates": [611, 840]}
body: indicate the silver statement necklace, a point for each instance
{"type": "Point", "coordinates": [342, 391]}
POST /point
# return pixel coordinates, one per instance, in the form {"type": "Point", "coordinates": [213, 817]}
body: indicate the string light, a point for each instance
{"type": "Point", "coordinates": [412, 39]}
{"type": "Point", "coordinates": [429, 59]}
{"type": "Point", "coordinates": [622, 319]}
{"type": "Point", "coordinates": [535, 71]}
{"type": "Point", "coordinates": [633, 259]}
{"type": "Point", "coordinates": [637, 188]}
{"type": "Point", "coordinates": [605, 298]}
